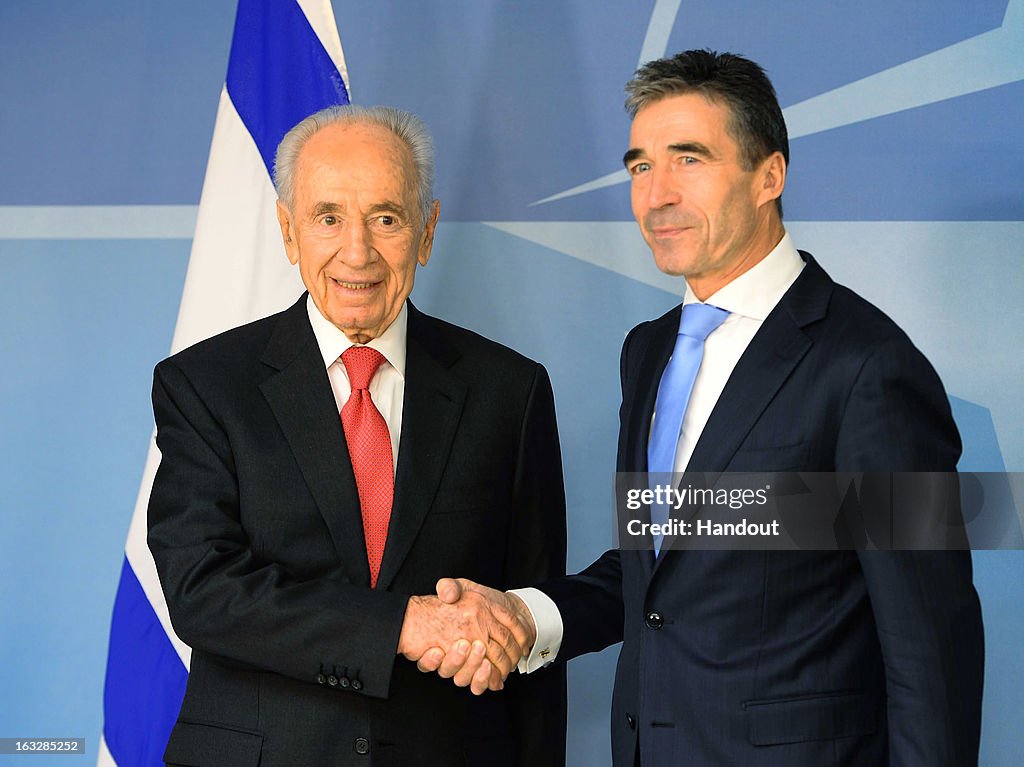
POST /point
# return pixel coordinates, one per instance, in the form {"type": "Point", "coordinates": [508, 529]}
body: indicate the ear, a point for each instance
{"type": "Point", "coordinates": [284, 219]}
{"type": "Point", "coordinates": [771, 178]}
{"type": "Point", "coordinates": [427, 240]}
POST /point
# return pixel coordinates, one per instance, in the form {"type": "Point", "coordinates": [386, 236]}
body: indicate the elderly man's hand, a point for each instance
{"type": "Point", "coordinates": [469, 633]}
{"type": "Point", "coordinates": [469, 664]}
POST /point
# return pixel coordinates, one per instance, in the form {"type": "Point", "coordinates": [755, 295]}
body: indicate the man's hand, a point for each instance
{"type": "Point", "coordinates": [466, 634]}
{"type": "Point", "coordinates": [469, 664]}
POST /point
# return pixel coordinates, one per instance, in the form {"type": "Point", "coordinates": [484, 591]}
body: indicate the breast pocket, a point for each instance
{"type": "Point", "coordinates": [792, 457]}
{"type": "Point", "coordinates": [468, 498]}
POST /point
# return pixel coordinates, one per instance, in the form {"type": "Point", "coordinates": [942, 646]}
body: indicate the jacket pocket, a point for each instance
{"type": "Point", "coordinates": [193, 744]}
{"type": "Point", "coordinates": [824, 716]}
{"type": "Point", "coordinates": [467, 498]}
{"type": "Point", "coordinates": [771, 458]}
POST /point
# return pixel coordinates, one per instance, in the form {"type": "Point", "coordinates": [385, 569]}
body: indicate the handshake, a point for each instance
{"type": "Point", "coordinates": [469, 633]}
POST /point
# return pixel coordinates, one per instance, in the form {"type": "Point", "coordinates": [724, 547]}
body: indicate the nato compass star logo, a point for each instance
{"type": "Point", "coordinates": [920, 266]}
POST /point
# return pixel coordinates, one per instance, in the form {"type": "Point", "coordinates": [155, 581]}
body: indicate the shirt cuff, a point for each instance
{"type": "Point", "coordinates": [548, 621]}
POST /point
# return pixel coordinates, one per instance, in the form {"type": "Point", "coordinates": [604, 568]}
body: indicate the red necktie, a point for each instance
{"type": "Point", "coordinates": [369, 447]}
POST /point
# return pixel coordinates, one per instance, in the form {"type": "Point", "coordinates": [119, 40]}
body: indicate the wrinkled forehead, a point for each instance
{"type": "Point", "coordinates": [346, 143]}
{"type": "Point", "coordinates": [681, 116]}
{"type": "Point", "coordinates": [357, 156]}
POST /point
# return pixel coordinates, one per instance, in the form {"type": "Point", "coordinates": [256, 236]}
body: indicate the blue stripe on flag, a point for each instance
{"type": "Point", "coordinates": [278, 72]}
{"type": "Point", "coordinates": [145, 679]}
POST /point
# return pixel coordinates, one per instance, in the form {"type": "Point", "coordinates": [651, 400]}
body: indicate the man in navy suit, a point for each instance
{"type": "Point", "coordinates": [770, 658]}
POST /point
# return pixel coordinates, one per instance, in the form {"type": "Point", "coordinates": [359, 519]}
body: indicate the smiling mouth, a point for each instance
{"type": "Point", "coordinates": [354, 285]}
{"type": "Point", "coordinates": [669, 231]}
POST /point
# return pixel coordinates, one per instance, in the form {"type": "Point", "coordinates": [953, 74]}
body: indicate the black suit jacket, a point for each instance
{"type": "Point", "coordinates": [778, 659]}
{"type": "Point", "coordinates": [255, 527]}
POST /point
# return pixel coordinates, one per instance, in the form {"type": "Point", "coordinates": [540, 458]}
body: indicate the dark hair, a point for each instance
{"type": "Point", "coordinates": [755, 118]}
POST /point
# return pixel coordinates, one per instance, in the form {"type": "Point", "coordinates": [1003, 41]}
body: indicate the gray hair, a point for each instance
{"type": "Point", "coordinates": [406, 126]}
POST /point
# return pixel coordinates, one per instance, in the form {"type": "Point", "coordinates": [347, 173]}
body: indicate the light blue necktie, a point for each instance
{"type": "Point", "coordinates": [697, 323]}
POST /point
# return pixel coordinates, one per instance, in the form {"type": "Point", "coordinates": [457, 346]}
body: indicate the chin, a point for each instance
{"type": "Point", "coordinates": [674, 267]}
{"type": "Point", "coordinates": [351, 325]}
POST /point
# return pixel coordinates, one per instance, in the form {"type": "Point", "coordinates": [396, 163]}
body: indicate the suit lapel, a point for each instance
{"type": "Point", "coordinates": [765, 365]}
{"type": "Point", "coordinates": [640, 395]}
{"type": "Point", "coordinates": [762, 370]}
{"type": "Point", "coordinates": [433, 404]}
{"type": "Point", "coordinates": [642, 387]}
{"type": "Point", "coordinates": [768, 361]}
{"type": "Point", "coordinates": [299, 394]}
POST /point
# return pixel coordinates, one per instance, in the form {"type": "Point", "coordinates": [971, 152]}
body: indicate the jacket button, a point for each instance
{"type": "Point", "coordinates": [362, 746]}
{"type": "Point", "coordinates": [631, 721]}
{"type": "Point", "coordinates": [654, 620]}
{"type": "Point", "coordinates": [357, 685]}
{"type": "Point", "coordinates": [321, 679]}
{"type": "Point", "coordinates": [344, 682]}
{"type": "Point", "coordinates": [332, 680]}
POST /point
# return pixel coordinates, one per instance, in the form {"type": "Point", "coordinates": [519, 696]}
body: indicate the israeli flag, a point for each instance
{"type": "Point", "coordinates": [286, 62]}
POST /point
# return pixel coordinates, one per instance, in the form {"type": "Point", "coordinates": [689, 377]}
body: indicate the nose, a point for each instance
{"type": "Point", "coordinates": [356, 246]}
{"type": "Point", "coordinates": [663, 187]}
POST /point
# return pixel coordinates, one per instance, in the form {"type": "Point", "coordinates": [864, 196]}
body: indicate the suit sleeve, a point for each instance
{"type": "Point", "coordinates": [536, 552]}
{"type": "Point", "coordinates": [924, 603]}
{"type": "Point", "coordinates": [223, 597]}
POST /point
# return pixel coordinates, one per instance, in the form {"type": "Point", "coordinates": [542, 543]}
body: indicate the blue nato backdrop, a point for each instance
{"type": "Point", "coordinates": [905, 183]}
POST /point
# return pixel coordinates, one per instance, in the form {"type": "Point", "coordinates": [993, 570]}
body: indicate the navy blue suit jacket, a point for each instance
{"type": "Point", "coordinates": [778, 659]}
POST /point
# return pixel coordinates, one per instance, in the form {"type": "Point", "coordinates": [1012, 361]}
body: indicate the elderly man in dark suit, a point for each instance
{"type": "Point", "coordinates": [323, 466]}
{"type": "Point", "coordinates": [767, 658]}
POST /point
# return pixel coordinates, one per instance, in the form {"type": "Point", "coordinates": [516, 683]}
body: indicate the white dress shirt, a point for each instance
{"type": "Point", "coordinates": [749, 299]}
{"type": "Point", "coordinates": [387, 389]}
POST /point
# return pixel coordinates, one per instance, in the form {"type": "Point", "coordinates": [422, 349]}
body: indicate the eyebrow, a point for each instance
{"type": "Point", "coordinates": [691, 147]}
{"type": "Point", "coordinates": [325, 207]}
{"type": "Point", "coordinates": [685, 147]}
{"type": "Point", "coordinates": [632, 154]}
{"type": "Point", "coordinates": [387, 206]}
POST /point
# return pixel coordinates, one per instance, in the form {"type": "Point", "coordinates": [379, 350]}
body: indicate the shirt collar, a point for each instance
{"type": "Point", "coordinates": [333, 342]}
{"type": "Point", "coordinates": [759, 289]}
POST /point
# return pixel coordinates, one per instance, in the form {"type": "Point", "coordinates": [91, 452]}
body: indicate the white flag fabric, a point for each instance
{"type": "Point", "coordinates": [286, 62]}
